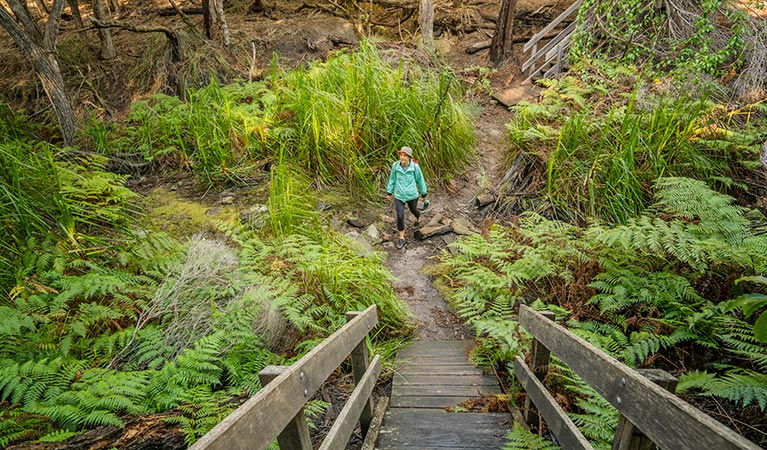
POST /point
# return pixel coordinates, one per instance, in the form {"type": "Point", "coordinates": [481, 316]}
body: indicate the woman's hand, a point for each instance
{"type": "Point", "coordinates": [388, 197]}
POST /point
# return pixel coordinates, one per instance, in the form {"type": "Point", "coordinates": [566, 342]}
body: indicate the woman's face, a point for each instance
{"type": "Point", "coordinates": [404, 159]}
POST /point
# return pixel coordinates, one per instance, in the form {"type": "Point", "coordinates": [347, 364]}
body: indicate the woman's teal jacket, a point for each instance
{"type": "Point", "coordinates": [404, 183]}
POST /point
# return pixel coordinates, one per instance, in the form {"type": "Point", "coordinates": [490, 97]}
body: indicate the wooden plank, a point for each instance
{"type": "Point", "coordinates": [375, 425]}
{"type": "Point", "coordinates": [295, 435]}
{"type": "Point", "coordinates": [424, 350]}
{"type": "Point", "coordinates": [428, 401]}
{"type": "Point", "coordinates": [549, 45]}
{"type": "Point", "coordinates": [446, 380]}
{"type": "Point", "coordinates": [425, 418]}
{"type": "Point", "coordinates": [627, 436]}
{"type": "Point", "coordinates": [457, 369]}
{"type": "Point", "coordinates": [669, 421]}
{"type": "Point", "coordinates": [555, 417]}
{"type": "Point", "coordinates": [343, 427]}
{"type": "Point", "coordinates": [260, 419]}
{"type": "Point", "coordinates": [448, 358]}
{"type": "Point", "coordinates": [540, 363]}
{"type": "Point", "coordinates": [436, 347]}
{"type": "Point", "coordinates": [455, 436]}
{"type": "Point", "coordinates": [456, 344]}
{"type": "Point", "coordinates": [448, 391]}
{"type": "Point", "coordinates": [421, 447]}
{"type": "Point", "coordinates": [537, 36]}
{"type": "Point", "coordinates": [359, 358]}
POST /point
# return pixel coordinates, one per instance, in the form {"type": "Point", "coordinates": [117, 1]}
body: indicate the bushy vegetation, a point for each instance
{"type": "Point", "coordinates": [340, 122]}
{"type": "Point", "coordinates": [601, 153]}
{"type": "Point", "coordinates": [658, 288]}
{"type": "Point", "coordinates": [682, 37]}
{"type": "Point", "coordinates": [104, 318]}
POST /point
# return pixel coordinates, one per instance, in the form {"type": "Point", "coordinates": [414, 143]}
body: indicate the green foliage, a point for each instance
{"type": "Point", "coordinates": [739, 385]}
{"type": "Point", "coordinates": [752, 303]}
{"type": "Point", "coordinates": [57, 199]}
{"type": "Point", "coordinates": [649, 281]}
{"type": "Point", "coordinates": [201, 410]}
{"type": "Point", "coordinates": [520, 439]}
{"type": "Point", "coordinates": [353, 111]}
{"type": "Point", "coordinates": [602, 154]}
{"type": "Point", "coordinates": [338, 121]}
{"type": "Point", "coordinates": [333, 278]}
{"type": "Point", "coordinates": [291, 206]}
{"type": "Point", "coordinates": [216, 132]}
{"type": "Point", "coordinates": [636, 32]}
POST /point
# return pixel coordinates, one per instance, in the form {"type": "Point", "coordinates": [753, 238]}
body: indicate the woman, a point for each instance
{"type": "Point", "coordinates": [405, 182]}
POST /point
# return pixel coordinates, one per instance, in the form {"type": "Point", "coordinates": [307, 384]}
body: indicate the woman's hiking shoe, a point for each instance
{"type": "Point", "coordinates": [400, 244]}
{"type": "Point", "coordinates": [416, 225]}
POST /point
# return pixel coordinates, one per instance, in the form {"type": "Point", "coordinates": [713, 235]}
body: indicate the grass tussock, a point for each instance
{"type": "Point", "coordinates": [339, 121]}
{"type": "Point", "coordinates": [602, 154]}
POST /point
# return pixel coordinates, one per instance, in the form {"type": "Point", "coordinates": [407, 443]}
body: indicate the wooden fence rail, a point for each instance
{"type": "Point", "coordinates": [276, 411]}
{"type": "Point", "coordinates": [665, 419]}
{"type": "Point", "coordinates": [554, 48]}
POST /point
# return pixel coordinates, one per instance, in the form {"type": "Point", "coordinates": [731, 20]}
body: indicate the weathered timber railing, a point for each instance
{"type": "Point", "coordinates": [555, 48]}
{"type": "Point", "coordinates": [659, 416]}
{"type": "Point", "coordinates": [277, 410]}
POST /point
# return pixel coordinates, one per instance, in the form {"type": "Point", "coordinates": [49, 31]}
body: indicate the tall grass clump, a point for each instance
{"type": "Point", "coordinates": [217, 133]}
{"type": "Point", "coordinates": [353, 111]}
{"type": "Point", "coordinates": [602, 154]}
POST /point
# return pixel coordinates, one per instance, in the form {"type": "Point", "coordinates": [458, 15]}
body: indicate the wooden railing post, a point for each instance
{"type": "Point", "coordinates": [359, 366]}
{"type": "Point", "coordinates": [540, 366]}
{"type": "Point", "coordinates": [295, 436]}
{"type": "Point", "coordinates": [627, 436]}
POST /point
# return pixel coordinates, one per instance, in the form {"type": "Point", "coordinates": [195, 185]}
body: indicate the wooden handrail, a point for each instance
{"type": "Point", "coordinates": [262, 418]}
{"type": "Point", "coordinates": [563, 35]}
{"type": "Point", "coordinates": [539, 35]}
{"type": "Point", "coordinates": [667, 420]}
{"type": "Point", "coordinates": [344, 425]}
{"type": "Point", "coordinates": [559, 423]}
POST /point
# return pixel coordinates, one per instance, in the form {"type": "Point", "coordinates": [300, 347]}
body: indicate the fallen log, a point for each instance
{"type": "Point", "coordinates": [483, 200]}
{"type": "Point", "coordinates": [427, 232]}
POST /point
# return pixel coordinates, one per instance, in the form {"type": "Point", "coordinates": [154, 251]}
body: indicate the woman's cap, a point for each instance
{"type": "Point", "coordinates": [406, 150]}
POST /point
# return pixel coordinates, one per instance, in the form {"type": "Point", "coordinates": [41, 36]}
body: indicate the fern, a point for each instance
{"type": "Point", "coordinates": [521, 439]}
{"type": "Point", "coordinates": [313, 409]}
{"type": "Point", "coordinates": [738, 385]}
{"type": "Point", "coordinates": [58, 436]}
{"type": "Point", "coordinates": [200, 410]}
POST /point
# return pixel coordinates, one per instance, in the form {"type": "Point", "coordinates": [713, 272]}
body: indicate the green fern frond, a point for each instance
{"type": "Point", "coordinates": [521, 439]}
{"type": "Point", "coordinates": [712, 214]}
{"type": "Point", "coordinates": [313, 409]}
{"type": "Point", "coordinates": [738, 385]}
{"type": "Point", "coordinates": [58, 436]}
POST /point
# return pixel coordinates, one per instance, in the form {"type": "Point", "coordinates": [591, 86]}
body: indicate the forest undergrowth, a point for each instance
{"type": "Point", "coordinates": [638, 231]}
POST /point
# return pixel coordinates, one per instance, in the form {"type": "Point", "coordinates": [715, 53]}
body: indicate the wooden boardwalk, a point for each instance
{"type": "Point", "coordinates": [435, 375]}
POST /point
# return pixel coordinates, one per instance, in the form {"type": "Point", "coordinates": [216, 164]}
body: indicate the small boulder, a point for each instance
{"type": "Point", "coordinates": [227, 200]}
{"type": "Point", "coordinates": [356, 222]}
{"type": "Point", "coordinates": [363, 246]}
{"type": "Point", "coordinates": [372, 234]}
{"type": "Point", "coordinates": [463, 227]}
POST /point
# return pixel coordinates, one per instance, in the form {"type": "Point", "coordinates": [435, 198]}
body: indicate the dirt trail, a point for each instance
{"type": "Point", "coordinates": [433, 319]}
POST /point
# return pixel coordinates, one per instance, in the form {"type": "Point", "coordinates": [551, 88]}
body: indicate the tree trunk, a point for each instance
{"type": "Point", "coordinates": [74, 6]}
{"type": "Point", "coordinates": [48, 71]}
{"type": "Point", "coordinates": [500, 47]}
{"type": "Point", "coordinates": [208, 17]}
{"type": "Point", "coordinates": [42, 54]}
{"type": "Point", "coordinates": [426, 20]}
{"type": "Point", "coordinates": [214, 21]}
{"type": "Point", "coordinates": [105, 36]}
{"type": "Point", "coordinates": [22, 13]}
{"type": "Point", "coordinates": [222, 21]}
